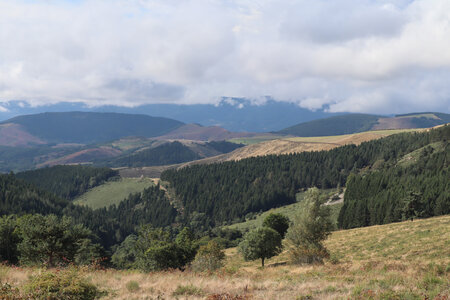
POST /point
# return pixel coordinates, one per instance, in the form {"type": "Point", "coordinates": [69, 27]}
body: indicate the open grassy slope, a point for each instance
{"type": "Point", "coordinates": [302, 144]}
{"type": "Point", "coordinates": [112, 192]}
{"type": "Point", "coordinates": [409, 260]}
{"type": "Point", "coordinates": [289, 211]}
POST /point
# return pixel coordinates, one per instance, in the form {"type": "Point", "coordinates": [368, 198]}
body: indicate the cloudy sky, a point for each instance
{"type": "Point", "coordinates": [374, 56]}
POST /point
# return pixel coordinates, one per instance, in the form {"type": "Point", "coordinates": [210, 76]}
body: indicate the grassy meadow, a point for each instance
{"type": "Point", "coordinates": [408, 260]}
{"type": "Point", "coordinates": [113, 192]}
{"type": "Point", "coordinates": [289, 211]}
{"type": "Point", "coordinates": [255, 139]}
{"type": "Point", "coordinates": [353, 138]}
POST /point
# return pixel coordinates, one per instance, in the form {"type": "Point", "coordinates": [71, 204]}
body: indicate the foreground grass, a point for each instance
{"type": "Point", "coordinates": [409, 260]}
{"type": "Point", "coordinates": [113, 192]}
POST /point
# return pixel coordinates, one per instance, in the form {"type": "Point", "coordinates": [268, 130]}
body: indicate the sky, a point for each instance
{"type": "Point", "coordinates": [371, 56]}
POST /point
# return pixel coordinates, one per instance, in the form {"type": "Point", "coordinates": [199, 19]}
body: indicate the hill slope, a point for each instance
{"type": "Point", "coordinates": [87, 127]}
{"type": "Point", "coordinates": [353, 123]}
{"type": "Point", "coordinates": [333, 126]}
{"type": "Point", "coordinates": [197, 132]}
{"type": "Point", "coordinates": [407, 260]}
{"type": "Point", "coordinates": [260, 183]}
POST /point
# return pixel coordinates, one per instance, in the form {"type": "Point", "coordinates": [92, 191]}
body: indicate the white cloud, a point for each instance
{"type": "Point", "coordinates": [3, 109]}
{"type": "Point", "coordinates": [368, 56]}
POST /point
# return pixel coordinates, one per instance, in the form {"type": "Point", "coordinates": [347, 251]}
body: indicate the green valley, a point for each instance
{"type": "Point", "coordinates": [112, 192]}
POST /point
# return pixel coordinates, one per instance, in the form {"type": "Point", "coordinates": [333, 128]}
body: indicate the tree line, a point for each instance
{"type": "Point", "coordinates": [111, 225]}
{"type": "Point", "coordinates": [396, 193]}
{"type": "Point", "coordinates": [67, 182]}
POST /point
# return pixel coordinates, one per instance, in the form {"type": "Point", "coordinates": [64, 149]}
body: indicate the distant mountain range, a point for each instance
{"type": "Point", "coordinates": [354, 123]}
{"type": "Point", "coordinates": [233, 114]}
{"type": "Point", "coordinates": [136, 140]}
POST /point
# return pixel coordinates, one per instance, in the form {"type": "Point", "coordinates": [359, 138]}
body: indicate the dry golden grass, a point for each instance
{"type": "Point", "coordinates": [409, 260]}
{"type": "Point", "coordinates": [303, 144]}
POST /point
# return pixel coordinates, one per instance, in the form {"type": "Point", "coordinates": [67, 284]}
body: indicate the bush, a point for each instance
{"type": "Point", "coordinates": [65, 284]}
{"type": "Point", "coordinates": [311, 227]}
{"type": "Point", "coordinates": [308, 255]}
{"type": "Point", "coordinates": [209, 258]}
{"type": "Point", "coordinates": [187, 290]}
{"type": "Point", "coordinates": [154, 249]}
{"type": "Point", "coordinates": [9, 293]}
{"type": "Point", "coordinates": [133, 286]}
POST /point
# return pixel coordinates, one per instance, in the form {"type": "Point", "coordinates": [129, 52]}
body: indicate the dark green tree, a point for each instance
{"type": "Point", "coordinates": [187, 246]}
{"type": "Point", "coordinates": [155, 250]}
{"type": "Point", "coordinates": [125, 255]}
{"type": "Point", "coordinates": [278, 222]}
{"type": "Point", "coordinates": [9, 238]}
{"type": "Point", "coordinates": [261, 243]}
{"type": "Point", "coordinates": [50, 240]}
{"type": "Point", "coordinates": [412, 206]}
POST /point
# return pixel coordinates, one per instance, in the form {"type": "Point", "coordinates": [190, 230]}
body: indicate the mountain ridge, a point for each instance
{"type": "Point", "coordinates": [355, 123]}
{"type": "Point", "coordinates": [92, 127]}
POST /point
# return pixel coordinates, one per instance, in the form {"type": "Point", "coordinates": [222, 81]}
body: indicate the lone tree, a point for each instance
{"type": "Point", "coordinates": [310, 228]}
{"type": "Point", "coordinates": [277, 222]}
{"type": "Point", "coordinates": [261, 243]}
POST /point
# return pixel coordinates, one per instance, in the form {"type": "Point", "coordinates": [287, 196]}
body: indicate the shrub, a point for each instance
{"type": "Point", "coordinates": [311, 227]}
{"type": "Point", "coordinates": [187, 290]}
{"type": "Point", "coordinates": [307, 255]}
{"type": "Point", "coordinates": [155, 251]}
{"type": "Point", "coordinates": [133, 286]}
{"type": "Point", "coordinates": [8, 292]}
{"type": "Point", "coordinates": [65, 284]}
{"type": "Point", "coordinates": [209, 257]}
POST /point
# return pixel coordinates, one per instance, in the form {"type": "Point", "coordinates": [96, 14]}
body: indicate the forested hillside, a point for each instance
{"type": "Point", "coordinates": [228, 191]}
{"type": "Point", "coordinates": [223, 146]}
{"type": "Point", "coordinates": [337, 125]}
{"type": "Point", "coordinates": [353, 123]}
{"type": "Point", "coordinates": [19, 197]}
{"type": "Point", "coordinates": [172, 153]}
{"type": "Point", "coordinates": [401, 176]}
{"type": "Point", "coordinates": [89, 127]}
{"type": "Point", "coordinates": [403, 191]}
{"type": "Point", "coordinates": [166, 154]}
{"type": "Point", "coordinates": [111, 225]}
{"type": "Point", "coordinates": [67, 182]}
{"type": "Point", "coordinates": [23, 158]}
